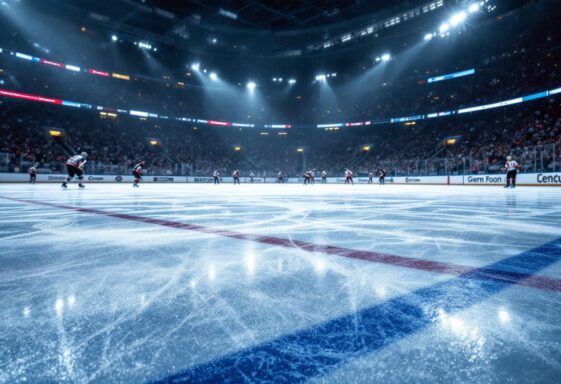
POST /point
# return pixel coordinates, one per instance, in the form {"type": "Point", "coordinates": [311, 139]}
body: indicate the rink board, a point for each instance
{"type": "Point", "coordinates": [533, 179]}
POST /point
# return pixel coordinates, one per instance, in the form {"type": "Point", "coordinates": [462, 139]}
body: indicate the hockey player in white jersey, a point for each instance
{"type": "Point", "coordinates": [216, 177]}
{"type": "Point", "coordinates": [323, 177]}
{"type": "Point", "coordinates": [75, 167]}
{"type": "Point", "coordinates": [511, 167]}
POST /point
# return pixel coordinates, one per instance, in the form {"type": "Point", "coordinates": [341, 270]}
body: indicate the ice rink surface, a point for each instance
{"type": "Point", "coordinates": [280, 283]}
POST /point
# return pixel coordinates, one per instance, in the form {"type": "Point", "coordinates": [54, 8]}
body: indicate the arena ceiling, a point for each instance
{"type": "Point", "coordinates": [165, 17]}
{"type": "Point", "coordinates": [274, 14]}
{"type": "Point", "coordinates": [236, 25]}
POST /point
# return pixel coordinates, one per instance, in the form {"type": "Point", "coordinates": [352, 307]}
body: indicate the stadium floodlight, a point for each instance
{"type": "Point", "coordinates": [213, 76]}
{"type": "Point", "coordinates": [473, 8]}
{"type": "Point", "coordinates": [251, 86]}
{"type": "Point", "coordinates": [292, 81]}
{"type": "Point", "coordinates": [320, 77]}
{"type": "Point", "coordinates": [195, 67]}
{"type": "Point", "coordinates": [274, 79]}
{"type": "Point", "coordinates": [114, 37]}
{"type": "Point", "coordinates": [144, 45]}
{"type": "Point", "coordinates": [458, 18]}
{"type": "Point", "coordinates": [386, 57]}
{"type": "Point", "coordinates": [443, 27]}
{"type": "Point", "coordinates": [429, 36]}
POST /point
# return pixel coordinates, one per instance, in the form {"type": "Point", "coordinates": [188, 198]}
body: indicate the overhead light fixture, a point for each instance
{"type": "Point", "coordinates": [251, 85]}
{"type": "Point", "coordinates": [292, 81]}
{"type": "Point", "coordinates": [473, 8]}
{"type": "Point", "coordinates": [320, 77]}
{"type": "Point", "coordinates": [458, 18]}
{"type": "Point", "coordinates": [195, 67]}
{"type": "Point", "coordinates": [114, 37]}
{"type": "Point", "coordinates": [429, 36]}
{"type": "Point", "coordinates": [443, 27]}
{"type": "Point", "coordinates": [144, 45]}
{"type": "Point", "coordinates": [213, 76]}
{"type": "Point", "coordinates": [386, 57]}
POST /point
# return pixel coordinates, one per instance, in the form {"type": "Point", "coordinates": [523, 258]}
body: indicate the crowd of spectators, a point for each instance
{"type": "Point", "coordinates": [532, 133]}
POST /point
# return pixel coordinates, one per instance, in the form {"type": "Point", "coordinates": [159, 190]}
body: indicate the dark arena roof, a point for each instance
{"type": "Point", "coordinates": [271, 28]}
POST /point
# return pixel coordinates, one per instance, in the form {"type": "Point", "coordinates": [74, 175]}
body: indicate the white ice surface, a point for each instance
{"type": "Point", "coordinates": [89, 298]}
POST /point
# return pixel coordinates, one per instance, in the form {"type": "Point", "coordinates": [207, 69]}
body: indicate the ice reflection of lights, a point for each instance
{"type": "Point", "coordinates": [250, 264]}
{"type": "Point", "coordinates": [381, 291]}
{"type": "Point", "coordinates": [471, 335]}
{"type": "Point", "coordinates": [71, 300]}
{"type": "Point", "coordinates": [59, 306]}
{"type": "Point", "coordinates": [504, 315]}
{"type": "Point", "coordinates": [320, 266]}
{"type": "Point", "coordinates": [193, 284]}
{"type": "Point", "coordinates": [142, 300]}
{"type": "Point", "coordinates": [211, 272]}
{"type": "Point", "coordinates": [279, 266]}
{"type": "Point", "coordinates": [26, 311]}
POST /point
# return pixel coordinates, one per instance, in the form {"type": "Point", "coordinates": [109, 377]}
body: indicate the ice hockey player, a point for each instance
{"type": "Point", "coordinates": [381, 176]}
{"type": "Point", "coordinates": [511, 167]}
{"type": "Point", "coordinates": [312, 174]}
{"type": "Point", "coordinates": [137, 173]}
{"type": "Point", "coordinates": [236, 176]}
{"type": "Point", "coordinates": [323, 177]}
{"type": "Point", "coordinates": [75, 167]}
{"type": "Point", "coordinates": [280, 178]}
{"type": "Point", "coordinates": [307, 177]}
{"type": "Point", "coordinates": [32, 174]}
{"type": "Point", "coordinates": [251, 176]}
{"type": "Point", "coordinates": [370, 176]}
{"type": "Point", "coordinates": [349, 177]}
{"type": "Point", "coordinates": [216, 177]}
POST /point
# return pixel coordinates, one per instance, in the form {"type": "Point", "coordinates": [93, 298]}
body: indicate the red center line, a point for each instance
{"type": "Point", "coordinates": [540, 282]}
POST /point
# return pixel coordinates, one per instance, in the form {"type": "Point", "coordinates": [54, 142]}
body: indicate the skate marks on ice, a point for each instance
{"type": "Point", "coordinates": [103, 299]}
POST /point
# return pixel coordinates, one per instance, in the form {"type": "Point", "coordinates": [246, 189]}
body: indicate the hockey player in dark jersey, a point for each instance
{"type": "Point", "coordinates": [75, 167]}
{"type": "Point", "coordinates": [236, 176]}
{"type": "Point", "coordinates": [381, 176]}
{"type": "Point", "coordinates": [280, 178]}
{"type": "Point", "coordinates": [251, 176]}
{"type": "Point", "coordinates": [32, 174]}
{"type": "Point", "coordinates": [137, 173]}
{"type": "Point", "coordinates": [307, 177]}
